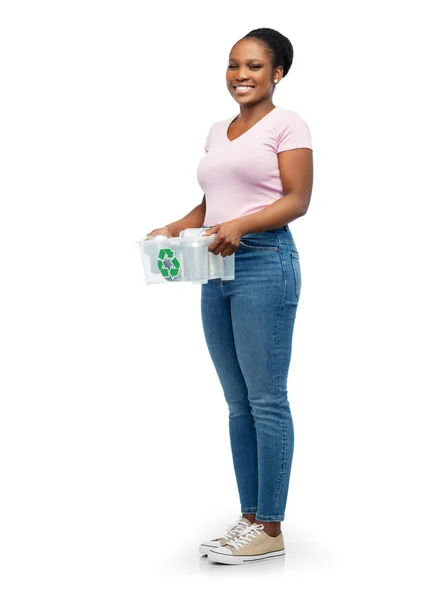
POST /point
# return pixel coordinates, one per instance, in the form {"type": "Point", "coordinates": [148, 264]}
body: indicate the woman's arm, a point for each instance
{"type": "Point", "coordinates": [193, 219]}
{"type": "Point", "coordinates": [296, 171]}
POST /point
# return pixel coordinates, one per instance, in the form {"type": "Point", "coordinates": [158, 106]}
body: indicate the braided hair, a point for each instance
{"type": "Point", "coordinates": [278, 47]}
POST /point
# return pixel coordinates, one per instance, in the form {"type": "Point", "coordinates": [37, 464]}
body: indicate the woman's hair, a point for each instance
{"type": "Point", "coordinates": [277, 46]}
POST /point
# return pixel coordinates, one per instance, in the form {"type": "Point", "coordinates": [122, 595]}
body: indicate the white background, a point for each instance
{"type": "Point", "coordinates": [114, 446]}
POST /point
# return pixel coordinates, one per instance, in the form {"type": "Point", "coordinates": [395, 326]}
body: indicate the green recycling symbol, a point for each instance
{"type": "Point", "coordinates": [168, 264]}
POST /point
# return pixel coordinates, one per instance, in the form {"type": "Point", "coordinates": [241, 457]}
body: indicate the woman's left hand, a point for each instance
{"type": "Point", "coordinates": [227, 240]}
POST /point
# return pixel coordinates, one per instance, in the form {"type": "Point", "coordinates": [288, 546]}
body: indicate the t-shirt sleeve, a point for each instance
{"type": "Point", "coordinates": [208, 141]}
{"type": "Point", "coordinates": [293, 133]}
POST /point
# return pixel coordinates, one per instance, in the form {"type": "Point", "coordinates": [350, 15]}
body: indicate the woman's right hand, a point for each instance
{"type": "Point", "coordinates": [160, 231]}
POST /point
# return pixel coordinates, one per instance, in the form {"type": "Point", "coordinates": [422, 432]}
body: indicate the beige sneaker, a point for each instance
{"type": "Point", "coordinates": [232, 532]}
{"type": "Point", "coordinates": [253, 544]}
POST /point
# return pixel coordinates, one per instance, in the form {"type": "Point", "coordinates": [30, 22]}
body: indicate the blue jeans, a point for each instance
{"type": "Point", "coordinates": [248, 325]}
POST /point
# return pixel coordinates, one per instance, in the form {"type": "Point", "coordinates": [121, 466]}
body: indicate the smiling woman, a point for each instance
{"type": "Point", "coordinates": [257, 175]}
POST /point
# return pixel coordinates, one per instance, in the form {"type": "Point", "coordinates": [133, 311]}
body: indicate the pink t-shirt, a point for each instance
{"type": "Point", "coordinates": [241, 176]}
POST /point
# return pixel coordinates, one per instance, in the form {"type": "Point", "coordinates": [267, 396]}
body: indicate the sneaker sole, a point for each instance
{"type": "Point", "coordinates": [204, 549]}
{"type": "Point", "coordinates": [229, 559]}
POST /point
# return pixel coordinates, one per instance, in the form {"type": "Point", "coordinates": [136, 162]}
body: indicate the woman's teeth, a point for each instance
{"type": "Point", "coordinates": [243, 88]}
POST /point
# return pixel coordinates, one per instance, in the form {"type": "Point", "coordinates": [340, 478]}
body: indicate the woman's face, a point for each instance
{"type": "Point", "coordinates": [250, 65]}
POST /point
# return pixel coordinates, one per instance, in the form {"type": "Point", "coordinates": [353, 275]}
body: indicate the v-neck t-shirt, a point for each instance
{"type": "Point", "coordinates": [241, 176]}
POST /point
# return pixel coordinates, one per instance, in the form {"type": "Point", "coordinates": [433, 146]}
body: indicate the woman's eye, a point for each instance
{"type": "Point", "coordinates": [254, 66]}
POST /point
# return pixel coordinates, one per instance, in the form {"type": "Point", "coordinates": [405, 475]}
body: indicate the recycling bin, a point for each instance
{"type": "Point", "coordinates": [184, 258]}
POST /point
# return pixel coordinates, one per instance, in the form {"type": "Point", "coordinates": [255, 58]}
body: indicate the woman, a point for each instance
{"type": "Point", "coordinates": [257, 176]}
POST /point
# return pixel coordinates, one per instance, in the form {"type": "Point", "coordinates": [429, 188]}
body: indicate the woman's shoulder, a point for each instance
{"type": "Point", "coordinates": [288, 114]}
{"type": "Point", "coordinates": [292, 131]}
{"type": "Point", "coordinates": [221, 123]}
{"type": "Point", "coordinates": [225, 121]}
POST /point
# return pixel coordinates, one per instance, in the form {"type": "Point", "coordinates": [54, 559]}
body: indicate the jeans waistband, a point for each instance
{"type": "Point", "coordinates": [285, 227]}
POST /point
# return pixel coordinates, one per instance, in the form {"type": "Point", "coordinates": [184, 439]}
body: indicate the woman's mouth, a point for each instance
{"type": "Point", "coordinates": [242, 89]}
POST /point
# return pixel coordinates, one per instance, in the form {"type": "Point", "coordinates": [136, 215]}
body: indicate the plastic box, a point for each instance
{"type": "Point", "coordinates": [184, 258]}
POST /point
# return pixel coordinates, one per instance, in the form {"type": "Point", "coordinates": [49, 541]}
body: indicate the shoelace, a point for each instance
{"type": "Point", "coordinates": [243, 539]}
{"type": "Point", "coordinates": [236, 529]}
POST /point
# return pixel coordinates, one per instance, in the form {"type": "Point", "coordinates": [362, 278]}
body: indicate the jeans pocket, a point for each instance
{"type": "Point", "coordinates": [256, 244]}
{"type": "Point", "coordinates": [297, 273]}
